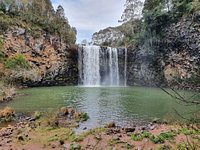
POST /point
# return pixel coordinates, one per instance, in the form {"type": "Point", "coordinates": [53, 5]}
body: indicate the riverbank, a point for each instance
{"type": "Point", "coordinates": [57, 131]}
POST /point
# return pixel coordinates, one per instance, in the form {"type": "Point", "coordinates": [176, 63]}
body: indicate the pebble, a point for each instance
{"type": "Point", "coordinates": [53, 146]}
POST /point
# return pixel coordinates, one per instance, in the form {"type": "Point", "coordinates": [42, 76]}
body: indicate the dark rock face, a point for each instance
{"type": "Point", "coordinates": [52, 61]}
{"type": "Point", "coordinates": [174, 55]}
{"type": "Point", "coordinates": [142, 63]}
{"type": "Point", "coordinates": [141, 69]}
{"type": "Point", "coordinates": [179, 50]}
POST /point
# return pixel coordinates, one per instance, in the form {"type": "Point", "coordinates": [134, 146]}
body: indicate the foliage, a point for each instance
{"type": "Point", "coordinates": [17, 61]}
{"type": "Point", "coordinates": [37, 115]}
{"type": "Point", "coordinates": [155, 139]}
{"type": "Point", "coordinates": [160, 13]}
{"type": "Point", "coordinates": [132, 11]}
{"type": "Point", "coordinates": [75, 147]}
{"type": "Point", "coordinates": [2, 55]}
{"type": "Point", "coordinates": [34, 14]}
{"type": "Point", "coordinates": [157, 15]}
{"type": "Point", "coordinates": [81, 117]}
{"type": "Point", "coordinates": [162, 137]}
{"type": "Point", "coordinates": [140, 136]}
{"type": "Point", "coordinates": [195, 5]}
{"type": "Point", "coordinates": [7, 115]}
{"type": "Point", "coordinates": [187, 146]}
{"type": "Point", "coordinates": [133, 32]}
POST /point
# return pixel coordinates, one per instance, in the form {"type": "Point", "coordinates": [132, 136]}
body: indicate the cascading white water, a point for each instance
{"type": "Point", "coordinates": [125, 67]}
{"type": "Point", "coordinates": [113, 66]}
{"type": "Point", "coordinates": [100, 66]}
{"type": "Point", "coordinates": [91, 71]}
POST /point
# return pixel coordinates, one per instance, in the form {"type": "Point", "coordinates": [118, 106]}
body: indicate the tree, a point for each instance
{"type": "Point", "coordinates": [60, 12]}
{"type": "Point", "coordinates": [6, 4]}
{"type": "Point", "coordinates": [150, 5]}
{"type": "Point", "coordinates": [133, 10]}
{"type": "Point", "coordinates": [2, 6]}
{"type": "Point", "coordinates": [75, 30]}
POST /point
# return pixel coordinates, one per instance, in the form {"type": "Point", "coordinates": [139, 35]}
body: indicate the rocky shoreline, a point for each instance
{"type": "Point", "coordinates": [56, 131]}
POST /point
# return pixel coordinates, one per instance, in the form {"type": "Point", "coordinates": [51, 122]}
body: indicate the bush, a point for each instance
{"type": "Point", "coordinates": [17, 62]}
{"type": "Point", "coordinates": [2, 55]}
{"type": "Point", "coordinates": [7, 115]}
{"type": "Point", "coordinates": [155, 139]}
{"type": "Point", "coordinates": [6, 92]}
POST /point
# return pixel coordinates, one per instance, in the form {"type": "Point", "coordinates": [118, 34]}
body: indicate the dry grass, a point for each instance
{"type": "Point", "coordinates": [6, 92]}
{"type": "Point", "coordinates": [7, 112]}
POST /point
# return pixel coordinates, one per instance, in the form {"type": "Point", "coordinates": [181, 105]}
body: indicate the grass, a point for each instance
{"type": "Point", "coordinates": [81, 137]}
{"type": "Point", "coordinates": [17, 61]}
{"type": "Point", "coordinates": [188, 131]}
{"type": "Point", "coordinates": [46, 135]}
{"type": "Point", "coordinates": [155, 139]}
{"type": "Point", "coordinates": [140, 136]}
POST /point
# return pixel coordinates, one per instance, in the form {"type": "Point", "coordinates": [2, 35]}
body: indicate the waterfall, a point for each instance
{"type": "Point", "coordinates": [113, 66]}
{"type": "Point", "coordinates": [125, 68]}
{"type": "Point", "coordinates": [100, 66]}
{"type": "Point", "coordinates": [90, 63]}
{"type": "Point", "coordinates": [80, 64]}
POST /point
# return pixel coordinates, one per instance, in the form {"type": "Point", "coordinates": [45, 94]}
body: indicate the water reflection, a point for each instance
{"type": "Point", "coordinates": [125, 106]}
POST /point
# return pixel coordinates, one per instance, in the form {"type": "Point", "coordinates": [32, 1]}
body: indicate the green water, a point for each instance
{"type": "Point", "coordinates": [125, 106]}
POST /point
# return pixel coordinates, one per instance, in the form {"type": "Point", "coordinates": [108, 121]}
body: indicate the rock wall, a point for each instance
{"type": "Point", "coordinates": [180, 50]}
{"type": "Point", "coordinates": [52, 61]}
{"type": "Point", "coordinates": [174, 55]}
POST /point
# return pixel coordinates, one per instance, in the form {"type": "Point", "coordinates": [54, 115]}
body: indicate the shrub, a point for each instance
{"type": "Point", "coordinates": [155, 139]}
{"type": "Point", "coordinates": [6, 92]}
{"type": "Point", "coordinates": [140, 136]}
{"type": "Point", "coordinates": [2, 55]}
{"type": "Point", "coordinates": [7, 115]}
{"type": "Point", "coordinates": [162, 137]}
{"type": "Point", "coordinates": [37, 115]}
{"type": "Point", "coordinates": [17, 62]}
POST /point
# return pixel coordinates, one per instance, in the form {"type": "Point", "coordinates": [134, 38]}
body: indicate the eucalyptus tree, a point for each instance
{"type": "Point", "coordinates": [60, 12]}
{"type": "Point", "coordinates": [133, 10]}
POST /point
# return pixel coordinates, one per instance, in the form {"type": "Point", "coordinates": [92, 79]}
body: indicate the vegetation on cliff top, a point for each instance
{"type": "Point", "coordinates": [36, 15]}
{"type": "Point", "coordinates": [151, 16]}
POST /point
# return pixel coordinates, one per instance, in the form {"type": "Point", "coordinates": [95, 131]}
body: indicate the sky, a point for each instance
{"type": "Point", "coordinates": [90, 16]}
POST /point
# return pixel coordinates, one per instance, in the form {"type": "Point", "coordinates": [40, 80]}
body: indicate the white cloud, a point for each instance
{"type": "Point", "coordinates": [92, 15]}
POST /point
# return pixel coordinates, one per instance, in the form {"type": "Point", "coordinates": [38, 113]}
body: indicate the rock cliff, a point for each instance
{"type": "Point", "coordinates": [51, 60]}
{"type": "Point", "coordinates": [170, 58]}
